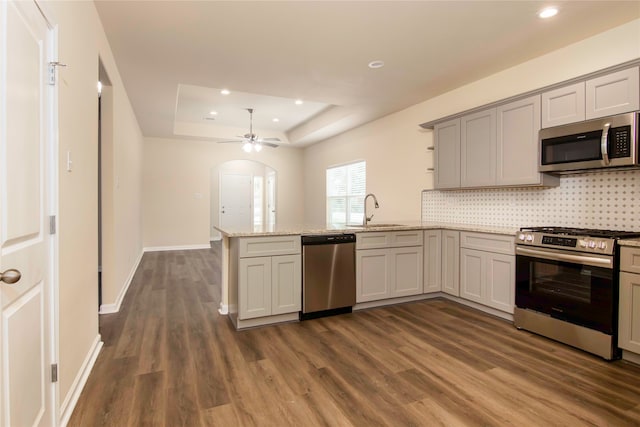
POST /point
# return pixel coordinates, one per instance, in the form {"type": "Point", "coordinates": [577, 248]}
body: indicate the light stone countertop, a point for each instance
{"type": "Point", "coordinates": [306, 229]}
{"type": "Point", "coordinates": [629, 242]}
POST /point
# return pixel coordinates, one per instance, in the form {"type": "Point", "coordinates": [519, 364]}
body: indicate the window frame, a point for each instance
{"type": "Point", "coordinates": [350, 198]}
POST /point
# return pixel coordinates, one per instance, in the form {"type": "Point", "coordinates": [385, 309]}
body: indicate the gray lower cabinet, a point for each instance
{"type": "Point", "coordinates": [487, 270]}
{"type": "Point", "coordinates": [388, 265]}
{"type": "Point", "coordinates": [432, 270]}
{"type": "Point", "coordinates": [629, 314]}
{"type": "Point", "coordinates": [451, 262]}
{"type": "Point", "coordinates": [269, 284]}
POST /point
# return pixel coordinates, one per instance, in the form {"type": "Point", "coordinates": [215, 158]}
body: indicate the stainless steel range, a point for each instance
{"type": "Point", "coordinates": [567, 286]}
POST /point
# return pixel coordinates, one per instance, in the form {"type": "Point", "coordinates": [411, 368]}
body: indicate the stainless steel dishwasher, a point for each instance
{"type": "Point", "coordinates": [328, 274]}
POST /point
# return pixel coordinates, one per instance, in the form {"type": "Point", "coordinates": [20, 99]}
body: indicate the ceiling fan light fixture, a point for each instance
{"type": "Point", "coordinates": [258, 147]}
{"type": "Point", "coordinates": [247, 147]}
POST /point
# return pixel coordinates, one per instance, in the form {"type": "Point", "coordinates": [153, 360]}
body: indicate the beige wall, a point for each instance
{"type": "Point", "coordinates": [177, 180]}
{"type": "Point", "coordinates": [395, 147]}
{"type": "Point", "coordinates": [81, 42]}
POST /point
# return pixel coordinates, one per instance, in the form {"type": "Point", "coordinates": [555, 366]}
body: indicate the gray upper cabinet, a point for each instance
{"type": "Point", "coordinates": [478, 149]}
{"type": "Point", "coordinates": [518, 124]}
{"type": "Point", "coordinates": [613, 93]}
{"type": "Point", "coordinates": [609, 94]}
{"type": "Point", "coordinates": [563, 105]}
{"type": "Point", "coordinates": [447, 154]}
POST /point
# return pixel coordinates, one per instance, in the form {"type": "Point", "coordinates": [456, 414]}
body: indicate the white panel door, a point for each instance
{"type": "Point", "coordinates": [235, 201]}
{"type": "Point", "coordinates": [271, 200]}
{"type": "Point", "coordinates": [26, 392]}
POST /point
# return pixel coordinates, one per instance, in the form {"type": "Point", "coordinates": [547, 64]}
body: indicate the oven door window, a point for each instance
{"type": "Point", "coordinates": [577, 293]}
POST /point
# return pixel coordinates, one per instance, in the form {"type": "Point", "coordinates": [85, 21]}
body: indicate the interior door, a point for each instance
{"type": "Point", "coordinates": [235, 201]}
{"type": "Point", "coordinates": [271, 199]}
{"type": "Point", "coordinates": [26, 392]}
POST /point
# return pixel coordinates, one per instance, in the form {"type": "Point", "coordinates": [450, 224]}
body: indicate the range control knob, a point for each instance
{"type": "Point", "coordinates": [582, 243]}
{"type": "Point", "coordinates": [529, 237]}
{"type": "Point", "coordinates": [602, 245]}
{"type": "Point", "coordinates": [591, 244]}
{"type": "Point", "coordinates": [521, 236]}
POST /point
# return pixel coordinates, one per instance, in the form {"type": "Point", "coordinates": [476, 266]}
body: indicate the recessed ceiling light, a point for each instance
{"type": "Point", "coordinates": [225, 91]}
{"type": "Point", "coordinates": [299, 102]}
{"type": "Point", "coordinates": [376, 64]}
{"type": "Point", "coordinates": [276, 120]}
{"type": "Point", "coordinates": [213, 113]}
{"type": "Point", "coordinates": [548, 12]}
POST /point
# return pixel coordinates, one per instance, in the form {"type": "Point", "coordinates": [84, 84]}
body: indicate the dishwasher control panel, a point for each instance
{"type": "Point", "coordinates": [328, 239]}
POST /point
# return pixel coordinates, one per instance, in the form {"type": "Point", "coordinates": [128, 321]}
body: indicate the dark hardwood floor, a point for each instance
{"type": "Point", "coordinates": [169, 359]}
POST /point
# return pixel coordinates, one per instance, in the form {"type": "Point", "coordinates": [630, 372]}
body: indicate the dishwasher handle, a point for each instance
{"type": "Point", "coordinates": [328, 239]}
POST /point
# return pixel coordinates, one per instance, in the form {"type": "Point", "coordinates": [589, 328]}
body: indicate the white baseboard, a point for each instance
{"type": "Point", "coordinates": [481, 307]}
{"type": "Point", "coordinates": [176, 248]}
{"type": "Point", "coordinates": [223, 309]}
{"type": "Point", "coordinates": [115, 307]}
{"type": "Point", "coordinates": [70, 401]}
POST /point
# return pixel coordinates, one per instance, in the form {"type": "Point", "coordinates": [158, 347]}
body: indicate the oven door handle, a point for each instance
{"type": "Point", "coordinates": [604, 144]}
{"type": "Point", "coordinates": [550, 254]}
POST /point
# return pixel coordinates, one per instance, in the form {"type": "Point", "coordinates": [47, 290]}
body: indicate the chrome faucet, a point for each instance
{"type": "Point", "coordinates": [366, 218]}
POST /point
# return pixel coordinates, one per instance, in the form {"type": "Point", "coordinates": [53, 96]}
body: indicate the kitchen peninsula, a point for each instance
{"type": "Point", "coordinates": [261, 267]}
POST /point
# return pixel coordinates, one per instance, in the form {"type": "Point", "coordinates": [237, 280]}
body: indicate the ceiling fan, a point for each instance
{"type": "Point", "coordinates": [251, 141]}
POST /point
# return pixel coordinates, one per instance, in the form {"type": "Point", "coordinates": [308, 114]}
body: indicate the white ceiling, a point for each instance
{"type": "Point", "coordinates": [175, 56]}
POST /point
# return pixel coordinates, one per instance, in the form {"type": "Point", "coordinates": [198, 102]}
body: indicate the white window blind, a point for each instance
{"type": "Point", "coordinates": [346, 188]}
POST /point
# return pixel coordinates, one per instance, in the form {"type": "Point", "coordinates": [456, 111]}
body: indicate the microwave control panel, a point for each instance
{"type": "Point", "coordinates": [620, 142]}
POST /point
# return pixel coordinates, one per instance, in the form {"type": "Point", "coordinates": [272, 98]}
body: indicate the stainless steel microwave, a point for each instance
{"type": "Point", "coordinates": [609, 142]}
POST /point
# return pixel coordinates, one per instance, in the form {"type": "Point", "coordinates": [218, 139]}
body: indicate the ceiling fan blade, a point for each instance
{"type": "Point", "coordinates": [236, 141]}
{"type": "Point", "coordinates": [268, 144]}
{"type": "Point", "coordinates": [270, 139]}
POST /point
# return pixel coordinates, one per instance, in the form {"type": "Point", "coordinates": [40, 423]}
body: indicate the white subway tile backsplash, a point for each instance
{"type": "Point", "coordinates": [602, 200]}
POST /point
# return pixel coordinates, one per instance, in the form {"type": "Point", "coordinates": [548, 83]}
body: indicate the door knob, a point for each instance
{"type": "Point", "coordinates": [10, 276]}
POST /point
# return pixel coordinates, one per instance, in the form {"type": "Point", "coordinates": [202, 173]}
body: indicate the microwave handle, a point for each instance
{"type": "Point", "coordinates": [604, 144]}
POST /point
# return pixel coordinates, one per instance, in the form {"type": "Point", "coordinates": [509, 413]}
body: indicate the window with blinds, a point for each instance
{"type": "Point", "coordinates": [346, 188]}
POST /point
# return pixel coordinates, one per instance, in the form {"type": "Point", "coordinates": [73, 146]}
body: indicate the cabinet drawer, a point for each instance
{"type": "Point", "coordinates": [268, 246]}
{"type": "Point", "coordinates": [630, 259]}
{"type": "Point", "coordinates": [389, 239]}
{"type": "Point", "coordinates": [488, 242]}
{"type": "Point", "coordinates": [406, 238]}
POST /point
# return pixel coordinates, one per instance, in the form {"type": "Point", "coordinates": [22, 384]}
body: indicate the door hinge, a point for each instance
{"type": "Point", "coordinates": [52, 71]}
{"type": "Point", "coordinates": [52, 224]}
{"type": "Point", "coordinates": [54, 373]}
